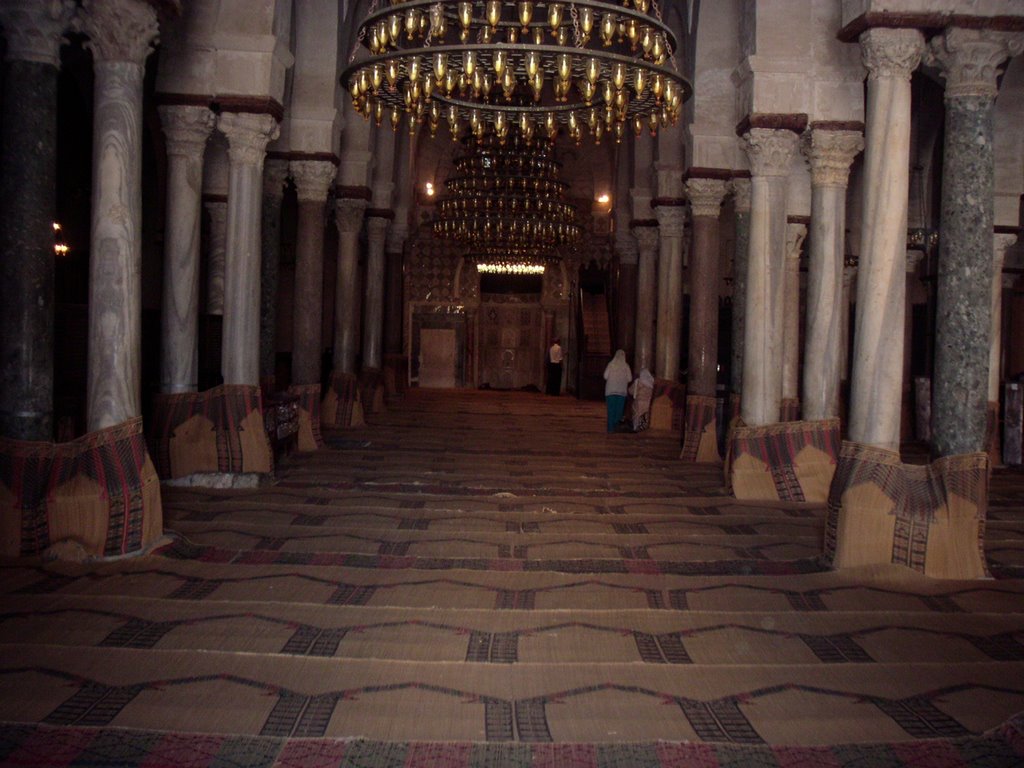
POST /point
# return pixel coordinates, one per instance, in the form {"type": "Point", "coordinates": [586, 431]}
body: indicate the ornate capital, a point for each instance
{"type": "Point", "coordinates": [348, 213]}
{"type": "Point", "coordinates": [795, 236]}
{"type": "Point", "coordinates": [275, 174]}
{"type": "Point", "coordinates": [397, 236]}
{"type": "Point", "coordinates": [313, 178]}
{"type": "Point", "coordinates": [186, 128]}
{"type": "Point", "coordinates": [891, 53]}
{"type": "Point", "coordinates": [770, 151]}
{"type": "Point", "coordinates": [218, 210]}
{"type": "Point", "coordinates": [626, 247]}
{"type": "Point", "coordinates": [1001, 243]}
{"type": "Point", "coordinates": [970, 59]}
{"type": "Point", "coordinates": [34, 29]}
{"type": "Point", "coordinates": [671, 220]}
{"type": "Point", "coordinates": [377, 228]}
{"type": "Point", "coordinates": [646, 240]}
{"type": "Point", "coordinates": [248, 135]}
{"type": "Point", "coordinates": [849, 275]}
{"type": "Point", "coordinates": [119, 30]}
{"type": "Point", "coordinates": [830, 154]}
{"type": "Point", "coordinates": [741, 194]}
{"type": "Point", "coordinates": [706, 196]}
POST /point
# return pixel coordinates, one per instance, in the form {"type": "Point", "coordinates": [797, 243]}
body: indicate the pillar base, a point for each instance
{"type": "Point", "coordinates": [930, 518]}
{"type": "Point", "coordinates": [341, 406]}
{"type": "Point", "coordinates": [668, 405]}
{"type": "Point", "coordinates": [787, 461]}
{"type": "Point", "coordinates": [371, 390]}
{"type": "Point", "coordinates": [700, 432]}
{"type": "Point", "coordinates": [98, 495]}
{"type": "Point", "coordinates": [309, 438]}
{"type": "Point", "coordinates": [220, 430]}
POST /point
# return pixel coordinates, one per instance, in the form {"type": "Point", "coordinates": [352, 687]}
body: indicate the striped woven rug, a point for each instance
{"type": "Point", "coordinates": [489, 579]}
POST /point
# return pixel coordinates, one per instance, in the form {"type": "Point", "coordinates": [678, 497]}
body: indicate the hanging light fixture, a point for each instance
{"type": "Point", "coordinates": [505, 200]}
{"type": "Point", "coordinates": [486, 65]}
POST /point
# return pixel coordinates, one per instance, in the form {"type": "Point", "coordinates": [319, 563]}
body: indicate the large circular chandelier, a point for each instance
{"type": "Point", "coordinates": [487, 65]}
{"type": "Point", "coordinates": [505, 198]}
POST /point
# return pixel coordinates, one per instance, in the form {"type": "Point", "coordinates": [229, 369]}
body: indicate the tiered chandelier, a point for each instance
{"type": "Point", "coordinates": [506, 202]}
{"type": "Point", "coordinates": [487, 65]}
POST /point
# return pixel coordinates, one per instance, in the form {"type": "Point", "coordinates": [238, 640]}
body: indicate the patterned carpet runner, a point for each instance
{"type": "Point", "coordinates": [489, 579]}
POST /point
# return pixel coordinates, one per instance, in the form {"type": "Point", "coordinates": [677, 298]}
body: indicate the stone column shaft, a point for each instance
{"type": "Point", "coordinates": [771, 153]}
{"type": "Point", "coordinates": [248, 136]}
{"type": "Point", "coordinates": [646, 296]}
{"type": "Point", "coordinates": [275, 174]}
{"type": "Point", "coordinates": [741, 202]}
{"type": "Point", "coordinates": [890, 56]}
{"type": "Point", "coordinates": [795, 236]}
{"type": "Point", "coordinates": [671, 222]}
{"type": "Point", "coordinates": [373, 308]}
{"type": "Point", "coordinates": [217, 210]}
{"type": "Point", "coordinates": [349, 215]}
{"type": "Point", "coordinates": [830, 154]}
{"type": "Point", "coordinates": [1001, 242]}
{"type": "Point", "coordinates": [312, 180]}
{"type": "Point", "coordinates": [187, 129]}
{"type": "Point", "coordinates": [121, 34]}
{"type": "Point", "coordinates": [702, 366]}
{"type": "Point", "coordinates": [970, 60]}
{"type": "Point", "coordinates": [28, 175]}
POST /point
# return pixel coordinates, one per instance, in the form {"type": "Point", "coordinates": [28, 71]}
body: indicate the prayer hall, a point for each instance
{"type": "Point", "coordinates": [485, 383]}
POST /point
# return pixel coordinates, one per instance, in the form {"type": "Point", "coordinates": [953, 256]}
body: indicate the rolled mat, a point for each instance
{"type": "Point", "coordinates": [341, 406]}
{"type": "Point", "coordinates": [218, 431]}
{"type": "Point", "coordinates": [930, 518]}
{"type": "Point", "coordinates": [100, 491]}
{"type": "Point", "coordinates": [700, 431]}
{"type": "Point", "coordinates": [786, 461]}
{"type": "Point", "coordinates": [309, 438]}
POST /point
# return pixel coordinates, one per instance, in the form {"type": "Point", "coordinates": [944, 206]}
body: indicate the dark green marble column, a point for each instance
{"type": "Point", "coordinates": [970, 60]}
{"type": "Point", "coordinates": [28, 166]}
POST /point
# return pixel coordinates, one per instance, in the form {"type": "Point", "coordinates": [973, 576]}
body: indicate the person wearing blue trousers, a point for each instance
{"type": "Point", "coordinates": [617, 377]}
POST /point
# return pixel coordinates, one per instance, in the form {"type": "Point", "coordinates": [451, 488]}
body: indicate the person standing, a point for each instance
{"type": "Point", "coordinates": [617, 378]}
{"type": "Point", "coordinates": [555, 357]}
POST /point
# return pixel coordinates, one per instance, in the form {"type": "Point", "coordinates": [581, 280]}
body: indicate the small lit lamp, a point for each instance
{"type": "Point", "coordinates": [60, 247]}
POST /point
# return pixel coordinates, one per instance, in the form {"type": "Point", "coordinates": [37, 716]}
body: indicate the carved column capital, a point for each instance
{"type": "Point", "coordinates": [891, 53]}
{"type": "Point", "coordinates": [706, 196]}
{"type": "Point", "coordinates": [313, 178]}
{"type": "Point", "coordinates": [348, 213]}
{"type": "Point", "coordinates": [626, 247]}
{"type": "Point", "coordinates": [740, 188]}
{"type": "Point", "coordinates": [275, 174]}
{"type": "Point", "coordinates": [970, 58]}
{"type": "Point", "coordinates": [913, 259]}
{"type": "Point", "coordinates": [849, 275]}
{"type": "Point", "coordinates": [646, 240]}
{"type": "Point", "coordinates": [1001, 243]}
{"type": "Point", "coordinates": [34, 29]}
{"type": "Point", "coordinates": [187, 128]}
{"type": "Point", "coordinates": [770, 151]}
{"type": "Point", "coordinates": [119, 30]}
{"type": "Point", "coordinates": [397, 236]}
{"type": "Point", "coordinates": [830, 154]}
{"type": "Point", "coordinates": [377, 228]}
{"type": "Point", "coordinates": [248, 135]}
{"type": "Point", "coordinates": [795, 235]}
{"type": "Point", "coordinates": [671, 220]}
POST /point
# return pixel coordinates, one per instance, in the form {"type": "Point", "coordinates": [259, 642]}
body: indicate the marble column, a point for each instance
{"type": "Point", "coordinates": [248, 135]}
{"type": "Point", "coordinates": [275, 174]}
{"type": "Point", "coordinates": [28, 178]}
{"type": "Point", "coordinates": [349, 215]}
{"type": "Point", "coordinates": [393, 286]}
{"type": "Point", "coordinates": [217, 210]}
{"type": "Point", "coordinates": [646, 294]}
{"type": "Point", "coordinates": [706, 197]}
{"type": "Point", "coordinates": [741, 204]}
{"type": "Point", "coordinates": [671, 226]}
{"type": "Point", "coordinates": [121, 36]}
{"type": "Point", "coordinates": [313, 179]}
{"type": "Point", "coordinates": [890, 56]}
{"type": "Point", "coordinates": [1001, 243]}
{"type": "Point", "coordinates": [771, 154]}
{"type": "Point", "coordinates": [373, 307]}
{"type": "Point", "coordinates": [796, 233]}
{"type": "Point", "coordinates": [187, 129]}
{"type": "Point", "coordinates": [626, 293]}
{"type": "Point", "coordinates": [830, 152]}
{"type": "Point", "coordinates": [970, 61]}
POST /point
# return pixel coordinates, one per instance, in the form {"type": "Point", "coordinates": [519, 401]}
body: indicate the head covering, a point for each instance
{"type": "Point", "coordinates": [645, 378]}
